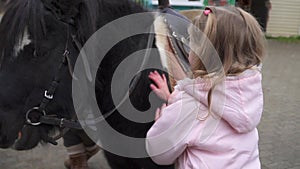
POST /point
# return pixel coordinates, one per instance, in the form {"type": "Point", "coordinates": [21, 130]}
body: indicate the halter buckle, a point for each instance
{"type": "Point", "coordinates": [48, 96]}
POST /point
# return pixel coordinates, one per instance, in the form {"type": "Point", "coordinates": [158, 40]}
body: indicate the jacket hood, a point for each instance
{"type": "Point", "coordinates": [238, 99]}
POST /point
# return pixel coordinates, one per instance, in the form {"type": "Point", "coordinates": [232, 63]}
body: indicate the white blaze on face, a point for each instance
{"type": "Point", "coordinates": [22, 43]}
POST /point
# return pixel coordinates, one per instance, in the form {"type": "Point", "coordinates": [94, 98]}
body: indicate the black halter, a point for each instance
{"type": "Point", "coordinates": [38, 115]}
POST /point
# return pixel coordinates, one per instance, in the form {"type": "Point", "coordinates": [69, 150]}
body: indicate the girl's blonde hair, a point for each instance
{"type": "Point", "coordinates": [229, 34]}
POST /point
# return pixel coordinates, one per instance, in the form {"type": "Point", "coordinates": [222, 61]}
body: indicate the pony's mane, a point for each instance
{"type": "Point", "coordinates": [29, 15]}
{"type": "Point", "coordinates": [19, 15]}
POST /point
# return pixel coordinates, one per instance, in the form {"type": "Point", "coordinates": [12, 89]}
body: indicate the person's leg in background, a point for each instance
{"type": "Point", "coordinates": [80, 149]}
{"type": "Point", "coordinates": [91, 148]}
{"type": "Point", "coordinates": [260, 10]}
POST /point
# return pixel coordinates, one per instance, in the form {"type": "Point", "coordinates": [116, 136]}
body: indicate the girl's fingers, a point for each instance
{"type": "Point", "coordinates": [153, 87]}
{"type": "Point", "coordinates": [157, 80]}
{"type": "Point", "coordinates": [160, 81]}
{"type": "Point", "coordinates": [154, 77]}
{"type": "Point", "coordinates": [157, 74]}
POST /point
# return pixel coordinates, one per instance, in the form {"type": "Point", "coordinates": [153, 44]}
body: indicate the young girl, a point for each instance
{"type": "Point", "coordinates": [210, 120]}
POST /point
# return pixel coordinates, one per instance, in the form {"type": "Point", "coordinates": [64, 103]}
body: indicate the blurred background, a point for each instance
{"type": "Point", "coordinates": [283, 18]}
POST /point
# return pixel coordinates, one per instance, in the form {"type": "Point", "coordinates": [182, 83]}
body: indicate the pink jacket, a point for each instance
{"type": "Point", "coordinates": [227, 139]}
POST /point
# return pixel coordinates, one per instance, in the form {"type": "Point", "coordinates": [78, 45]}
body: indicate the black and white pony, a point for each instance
{"type": "Point", "coordinates": [40, 43]}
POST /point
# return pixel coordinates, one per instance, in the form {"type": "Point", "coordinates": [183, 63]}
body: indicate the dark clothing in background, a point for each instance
{"type": "Point", "coordinates": [260, 10]}
{"type": "Point", "coordinates": [244, 4]}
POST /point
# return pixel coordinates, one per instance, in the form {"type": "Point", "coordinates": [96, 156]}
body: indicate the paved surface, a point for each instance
{"type": "Point", "coordinates": [280, 125]}
{"type": "Point", "coordinates": [44, 157]}
{"type": "Point", "coordinates": [279, 129]}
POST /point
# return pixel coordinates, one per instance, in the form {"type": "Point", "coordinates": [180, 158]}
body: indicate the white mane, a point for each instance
{"type": "Point", "coordinates": [19, 46]}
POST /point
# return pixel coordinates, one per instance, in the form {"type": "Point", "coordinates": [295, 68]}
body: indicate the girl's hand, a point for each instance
{"type": "Point", "coordinates": [158, 112]}
{"type": "Point", "coordinates": [160, 87]}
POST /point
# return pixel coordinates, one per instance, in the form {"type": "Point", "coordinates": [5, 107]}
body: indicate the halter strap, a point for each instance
{"type": "Point", "coordinates": [41, 117]}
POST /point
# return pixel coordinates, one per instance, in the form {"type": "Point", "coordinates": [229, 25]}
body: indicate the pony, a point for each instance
{"type": "Point", "coordinates": [40, 43]}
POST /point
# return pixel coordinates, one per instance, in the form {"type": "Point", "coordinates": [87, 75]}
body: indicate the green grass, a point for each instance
{"type": "Point", "coordinates": [292, 39]}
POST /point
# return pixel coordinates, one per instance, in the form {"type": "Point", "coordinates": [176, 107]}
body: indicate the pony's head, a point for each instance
{"type": "Point", "coordinates": [34, 36]}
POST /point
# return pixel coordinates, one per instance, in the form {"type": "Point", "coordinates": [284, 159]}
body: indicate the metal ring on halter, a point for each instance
{"type": "Point", "coordinates": [43, 113]}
